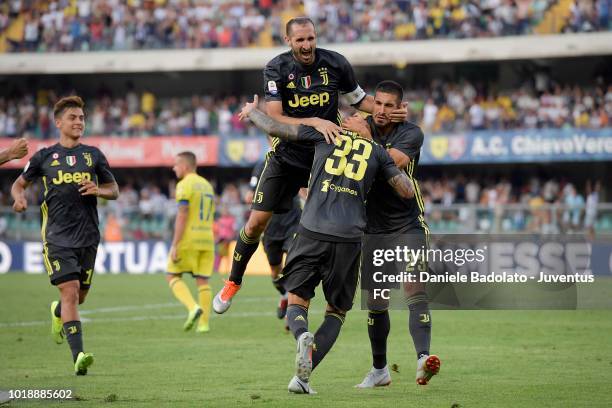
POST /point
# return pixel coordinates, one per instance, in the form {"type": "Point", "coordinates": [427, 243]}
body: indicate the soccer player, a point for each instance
{"type": "Point", "coordinates": [277, 239]}
{"type": "Point", "coordinates": [391, 215]}
{"type": "Point", "coordinates": [328, 244]}
{"type": "Point", "coordinates": [302, 87]}
{"type": "Point", "coordinates": [193, 245]}
{"type": "Point", "coordinates": [16, 150]}
{"type": "Point", "coordinates": [74, 175]}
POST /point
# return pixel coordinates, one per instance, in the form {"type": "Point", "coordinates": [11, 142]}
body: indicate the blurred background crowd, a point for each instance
{"type": "Point", "coordinates": [441, 107]}
{"type": "Point", "coordinates": [94, 25]}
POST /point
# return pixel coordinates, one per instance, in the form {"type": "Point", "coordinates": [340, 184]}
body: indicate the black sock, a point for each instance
{"type": "Point", "coordinates": [419, 323]}
{"type": "Point", "coordinates": [378, 331]}
{"type": "Point", "coordinates": [297, 319]}
{"type": "Point", "coordinates": [245, 248]}
{"type": "Point", "coordinates": [278, 286]}
{"type": "Point", "coordinates": [58, 309]}
{"type": "Point", "coordinates": [74, 336]}
{"type": "Point", "coordinates": [326, 336]}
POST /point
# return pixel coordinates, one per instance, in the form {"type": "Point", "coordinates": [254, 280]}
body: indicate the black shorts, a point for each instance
{"type": "Point", "coordinates": [415, 238]}
{"type": "Point", "coordinates": [336, 264]}
{"type": "Point", "coordinates": [277, 185]}
{"type": "Point", "coordinates": [66, 264]}
{"type": "Point", "coordinates": [275, 248]}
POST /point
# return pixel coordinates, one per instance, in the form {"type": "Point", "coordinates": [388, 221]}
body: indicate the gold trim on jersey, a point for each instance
{"type": "Point", "coordinates": [44, 210]}
{"type": "Point", "coordinates": [268, 155]}
{"type": "Point", "coordinates": [419, 199]}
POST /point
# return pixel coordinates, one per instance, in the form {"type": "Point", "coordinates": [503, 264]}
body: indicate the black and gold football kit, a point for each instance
{"type": "Point", "coordinates": [306, 91]}
{"type": "Point", "coordinates": [328, 244]}
{"type": "Point", "coordinates": [281, 228]}
{"type": "Point", "coordinates": [387, 212]}
{"type": "Point", "coordinates": [390, 214]}
{"type": "Point", "coordinates": [69, 229]}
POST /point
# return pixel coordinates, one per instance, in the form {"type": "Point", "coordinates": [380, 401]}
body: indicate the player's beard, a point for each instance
{"type": "Point", "coordinates": [382, 122]}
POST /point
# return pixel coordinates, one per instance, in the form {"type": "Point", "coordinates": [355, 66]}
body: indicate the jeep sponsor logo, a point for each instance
{"type": "Point", "coordinates": [314, 99]}
{"type": "Point", "coordinates": [66, 178]}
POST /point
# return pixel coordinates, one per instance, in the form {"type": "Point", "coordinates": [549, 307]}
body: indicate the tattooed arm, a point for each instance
{"type": "Point", "coordinates": [402, 185]}
{"type": "Point", "coordinates": [269, 125]}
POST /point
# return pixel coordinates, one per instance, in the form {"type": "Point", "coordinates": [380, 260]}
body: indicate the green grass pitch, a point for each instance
{"type": "Point", "coordinates": [143, 358]}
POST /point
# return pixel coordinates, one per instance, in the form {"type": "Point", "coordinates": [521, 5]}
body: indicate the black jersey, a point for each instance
{"type": "Point", "coordinates": [387, 212]}
{"type": "Point", "coordinates": [284, 225]}
{"type": "Point", "coordinates": [309, 91]}
{"type": "Point", "coordinates": [340, 179]}
{"type": "Point", "coordinates": [68, 218]}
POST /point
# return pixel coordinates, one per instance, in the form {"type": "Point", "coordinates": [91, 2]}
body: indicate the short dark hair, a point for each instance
{"type": "Point", "coordinates": [391, 87]}
{"type": "Point", "coordinates": [297, 21]}
{"type": "Point", "coordinates": [67, 102]}
{"type": "Point", "coordinates": [190, 158]}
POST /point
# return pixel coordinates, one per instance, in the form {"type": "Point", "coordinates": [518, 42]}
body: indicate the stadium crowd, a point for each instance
{"type": "Point", "coordinates": [442, 107]}
{"type": "Point", "coordinates": [145, 210]}
{"type": "Point", "coordinates": [88, 25]}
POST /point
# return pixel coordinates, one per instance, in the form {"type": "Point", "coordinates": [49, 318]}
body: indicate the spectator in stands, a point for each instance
{"type": "Point", "coordinates": [442, 107]}
{"type": "Point", "coordinates": [108, 24]}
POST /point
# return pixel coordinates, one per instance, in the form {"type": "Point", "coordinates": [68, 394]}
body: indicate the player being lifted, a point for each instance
{"type": "Point", "coordinates": [277, 239]}
{"type": "Point", "coordinates": [302, 87]}
{"type": "Point", "coordinates": [391, 215]}
{"type": "Point", "coordinates": [74, 175]}
{"type": "Point", "coordinates": [193, 245]}
{"type": "Point", "coordinates": [328, 244]}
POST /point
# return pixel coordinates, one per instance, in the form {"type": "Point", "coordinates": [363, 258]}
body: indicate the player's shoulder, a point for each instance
{"type": "Point", "coordinates": [331, 57]}
{"type": "Point", "coordinates": [280, 60]}
{"type": "Point", "coordinates": [409, 130]}
{"type": "Point", "coordinates": [202, 180]}
{"type": "Point", "coordinates": [409, 126]}
{"type": "Point", "coordinates": [46, 151]}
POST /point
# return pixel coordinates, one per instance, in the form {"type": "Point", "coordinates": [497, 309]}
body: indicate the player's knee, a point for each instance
{"type": "Point", "coordinates": [70, 294]}
{"type": "Point", "coordinates": [275, 270]}
{"type": "Point", "coordinates": [294, 299]}
{"type": "Point", "coordinates": [82, 296]}
{"type": "Point", "coordinates": [413, 288]}
{"type": "Point", "coordinates": [171, 278]}
{"type": "Point", "coordinates": [335, 310]}
{"type": "Point", "coordinates": [201, 281]}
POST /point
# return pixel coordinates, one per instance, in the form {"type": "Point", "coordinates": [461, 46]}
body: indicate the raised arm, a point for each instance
{"type": "Point", "coordinates": [269, 125]}
{"type": "Point", "coordinates": [16, 150]}
{"type": "Point", "coordinates": [402, 185]}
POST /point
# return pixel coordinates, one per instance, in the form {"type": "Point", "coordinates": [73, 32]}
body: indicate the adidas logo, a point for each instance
{"type": "Point", "coordinates": [300, 317]}
{"type": "Point", "coordinates": [54, 163]}
{"type": "Point", "coordinates": [291, 85]}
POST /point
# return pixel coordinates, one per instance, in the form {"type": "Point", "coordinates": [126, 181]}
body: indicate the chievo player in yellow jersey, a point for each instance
{"type": "Point", "coordinates": [192, 249]}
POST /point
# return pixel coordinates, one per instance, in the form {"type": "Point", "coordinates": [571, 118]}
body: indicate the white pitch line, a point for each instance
{"type": "Point", "coordinates": [128, 308]}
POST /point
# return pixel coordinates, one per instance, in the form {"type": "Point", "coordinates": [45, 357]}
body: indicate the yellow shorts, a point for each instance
{"type": "Point", "coordinates": [197, 262]}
